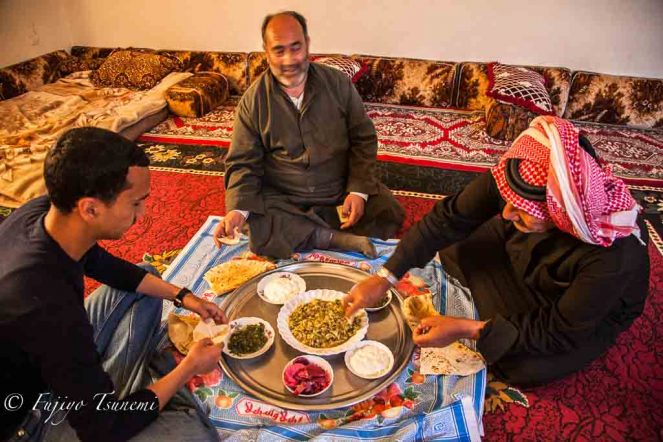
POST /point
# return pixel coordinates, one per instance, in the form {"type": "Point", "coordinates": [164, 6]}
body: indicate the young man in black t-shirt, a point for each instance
{"type": "Point", "coordinates": [89, 359]}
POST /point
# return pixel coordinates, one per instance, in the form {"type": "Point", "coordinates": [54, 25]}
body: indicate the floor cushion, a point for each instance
{"type": "Point", "coordinates": [506, 121]}
{"type": "Point", "coordinates": [197, 95]}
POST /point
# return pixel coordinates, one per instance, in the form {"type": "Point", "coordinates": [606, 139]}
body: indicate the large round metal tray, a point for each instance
{"type": "Point", "coordinates": [261, 377]}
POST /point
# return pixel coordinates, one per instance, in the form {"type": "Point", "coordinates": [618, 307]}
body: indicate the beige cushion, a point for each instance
{"type": "Point", "coordinates": [134, 69]}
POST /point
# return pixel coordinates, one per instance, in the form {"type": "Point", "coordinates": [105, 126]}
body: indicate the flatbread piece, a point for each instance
{"type": "Point", "coordinates": [209, 329]}
{"type": "Point", "coordinates": [230, 275]}
{"type": "Point", "coordinates": [180, 330]}
{"type": "Point", "coordinates": [415, 308]}
{"type": "Point", "coordinates": [184, 330]}
{"type": "Point", "coordinates": [455, 359]}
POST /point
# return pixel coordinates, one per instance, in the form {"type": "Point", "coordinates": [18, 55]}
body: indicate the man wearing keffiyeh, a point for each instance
{"type": "Point", "coordinates": [555, 279]}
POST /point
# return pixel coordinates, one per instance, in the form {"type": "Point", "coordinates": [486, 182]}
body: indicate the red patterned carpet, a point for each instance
{"type": "Point", "coordinates": [617, 397]}
{"type": "Point", "coordinates": [434, 151]}
{"type": "Point", "coordinates": [441, 138]}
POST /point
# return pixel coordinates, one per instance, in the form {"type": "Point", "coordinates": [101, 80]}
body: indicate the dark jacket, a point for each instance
{"type": "Point", "coordinates": [320, 153]}
{"type": "Point", "coordinates": [554, 302]}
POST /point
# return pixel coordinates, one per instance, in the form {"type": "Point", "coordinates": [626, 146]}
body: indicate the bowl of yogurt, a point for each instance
{"type": "Point", "coordinates": [280, 287]}
{"type": "Point", "coordinates": [369, 360]}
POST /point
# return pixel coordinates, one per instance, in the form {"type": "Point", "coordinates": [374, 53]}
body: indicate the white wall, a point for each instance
{"type": "Point", "coordinates": [29, 28]}
{"type": "Point", "coordinates": [611, 36]}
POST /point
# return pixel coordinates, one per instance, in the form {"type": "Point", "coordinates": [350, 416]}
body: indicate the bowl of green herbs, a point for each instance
{"type": "Point", "coordinates": [248, 338]}
{"type": "Point", "coordinates": [382, 303]}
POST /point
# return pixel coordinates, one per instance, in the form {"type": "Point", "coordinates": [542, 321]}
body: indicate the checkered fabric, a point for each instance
{"type": "Point", "coordinates": [519, 86]}
{"type": "Point", "coordinates": [533, 173]}
{"type": "Point", "coordinates": [582, 198]}
{"type": "Point", "coordinates": [350, 67]}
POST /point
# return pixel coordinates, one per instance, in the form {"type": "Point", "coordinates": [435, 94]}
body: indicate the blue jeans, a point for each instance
{"type": "Point", "coordinates": [126, 332]}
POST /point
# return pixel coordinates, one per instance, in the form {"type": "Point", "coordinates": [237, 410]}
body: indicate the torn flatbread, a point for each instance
{"type": "Point", "coordinates": [231, 240]}
{"type": "Point", "coordinates": [209, 329]}
{"type": "Point", "coordinates": [230, 275]}
{"type": "Point", "coordinates": [342, 218]}
{"type": "Point", "coordinates": [455, 359]}
{"type": "Point", "coordinates": [184, 330]}
{"type": "Point", "coordinates": [180, 330]}
{"type": "Point", "coordinates": [416, 308]}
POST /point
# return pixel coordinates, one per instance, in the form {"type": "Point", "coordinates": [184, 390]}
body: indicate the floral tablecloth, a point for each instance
{"type": "Point", "coordinates": [414, 407]}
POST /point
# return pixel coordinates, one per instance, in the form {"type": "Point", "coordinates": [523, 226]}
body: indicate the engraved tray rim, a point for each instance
{"type": "Point", "coordinates": [327, 401]}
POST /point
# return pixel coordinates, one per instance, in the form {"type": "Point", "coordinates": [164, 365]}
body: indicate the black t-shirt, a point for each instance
{"type": "Point", "coordinates": [46, 340]}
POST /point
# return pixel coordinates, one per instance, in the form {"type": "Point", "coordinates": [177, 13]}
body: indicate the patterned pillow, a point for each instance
{"type": "Point", "coordinates": [520, 86]}
{"type": "Point", "coordinates": [351, 68]}
{"type": "Point", "coordinates": [134, 69]}
{"type": "Point", "coordinates": [197, 95]}
{"type": "Point", "coordinates": [505, 121]}
{"type": "Point", "coordinates": [76, 64]}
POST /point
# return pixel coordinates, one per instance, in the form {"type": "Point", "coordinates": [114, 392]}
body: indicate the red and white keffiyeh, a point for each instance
{"type": "Point", "coordinates": [582, 198]}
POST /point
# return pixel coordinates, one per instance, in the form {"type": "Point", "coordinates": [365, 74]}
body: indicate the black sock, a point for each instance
{"type": "Point", "coordinates": [348, 241]}
{"type": "Point", "coordinates": [322, 238]}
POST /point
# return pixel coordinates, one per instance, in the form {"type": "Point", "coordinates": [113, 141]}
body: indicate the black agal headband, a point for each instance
{"type": "Point", "coordinates": [528, 191]}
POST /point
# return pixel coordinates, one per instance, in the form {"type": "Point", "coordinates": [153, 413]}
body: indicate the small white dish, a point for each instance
{"type": "Point", "coordinates": [280, 287]}
{"type": "Point", "coordinates": [365, 358]}
{"type": "Point", "coordinates": [317, 360]}
{"type": "Point", "coordinates": [377, 309]}
{"type": "Point", "coordinates": [242, 322]}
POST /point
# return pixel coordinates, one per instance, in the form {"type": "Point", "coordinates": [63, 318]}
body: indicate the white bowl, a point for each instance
{"type": "Point", "coordinates": [377, 374]}
{"type": "Point", "coordinates": [317, 360]}
{"type": "Point", "coordinates": [241, 322]}
{"type": "Point", "coordinates": [376, 309]}
{"type": "Point", "coordinates": [295, 278]}
{"type": "Point", "coordinates": [324, 295]}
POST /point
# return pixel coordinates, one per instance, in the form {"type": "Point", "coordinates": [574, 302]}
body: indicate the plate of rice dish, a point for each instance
{"type": "Point", "coordinates": [314, 322]}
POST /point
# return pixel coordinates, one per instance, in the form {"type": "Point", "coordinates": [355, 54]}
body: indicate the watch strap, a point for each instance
{"type": "Point", "coordinates": [386, 274]}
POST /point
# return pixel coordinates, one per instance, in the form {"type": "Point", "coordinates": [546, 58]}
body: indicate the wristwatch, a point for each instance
{"type": "Point", "coordinates": [386, 274]}
{"type": "Point", "coordinates": [179, 298]}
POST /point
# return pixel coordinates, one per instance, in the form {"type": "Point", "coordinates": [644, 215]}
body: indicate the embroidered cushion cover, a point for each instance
{"type": "Point", "coordinates": [520, 86]}
{"type": "Point", "coordinates": [351, 68]}
{"type": "Point", "coordinates": [134, 69]}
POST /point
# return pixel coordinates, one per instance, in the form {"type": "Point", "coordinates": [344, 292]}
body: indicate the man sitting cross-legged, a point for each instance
{"type": "Point", "coordinates": [93, 356]}
{"type": "Point", "coordinates": [302, 145]}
